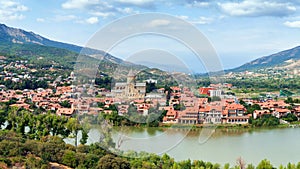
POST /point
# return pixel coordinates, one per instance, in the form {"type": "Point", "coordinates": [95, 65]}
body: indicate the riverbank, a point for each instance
{"type": "Point", "coordinates": [233, 126]}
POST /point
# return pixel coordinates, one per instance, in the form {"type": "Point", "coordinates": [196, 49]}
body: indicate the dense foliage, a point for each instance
{"type": "Point", "coordinates": [265, 121]}
{"type": "Point", "coordinates": [38, 153]}
{"type": "Point", "coordinates": [24, 84]}
{"type": "Point", "coordinates": [270, 84]}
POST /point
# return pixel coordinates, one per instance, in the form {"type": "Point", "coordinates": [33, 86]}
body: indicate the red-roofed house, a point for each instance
{"type": "Point", "coordinates": [189, 116]}
{"type": "Point", "coordinates": [279, 112]}
{"type": "Point", "coordinates": [296, 112]}
{"type": "Point", "coordinates": [259, 113]}
{"type": "Point", "coordinates": [234, 114]}
{"type": "Point", "coordinates": [171, 116]}
{"type": "Point", "coordinates": [65, 111]}
{"type": "Point", "coordinates": [205, 90]}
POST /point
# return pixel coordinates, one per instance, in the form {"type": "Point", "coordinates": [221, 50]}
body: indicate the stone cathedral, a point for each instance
{"type": "Point", "coordinates": [129, 90]}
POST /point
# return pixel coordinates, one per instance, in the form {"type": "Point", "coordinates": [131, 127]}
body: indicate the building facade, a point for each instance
{"type": "Point", "coordinates": [129, 90]}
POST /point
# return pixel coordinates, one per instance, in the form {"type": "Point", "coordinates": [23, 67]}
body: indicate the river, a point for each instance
{"type": "Point", "coordinates": [280, 146]}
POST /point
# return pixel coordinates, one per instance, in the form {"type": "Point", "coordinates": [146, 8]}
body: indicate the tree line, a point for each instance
{"type": "Point", "coordinates": [15, 150]}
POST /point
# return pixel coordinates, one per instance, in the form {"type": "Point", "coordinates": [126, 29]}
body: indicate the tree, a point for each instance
{"type": "Point", "coordinates": [65, 104]}
{"type": "Point", "coordinates": [289, 100]}
{"type": "Point", "coordinates": [185, 164]}
{"type": "Point", "coordinates": [73, 126]}
{"type": "Point", "coordinates": [227, 166]}
{"type": "Point", "coordinates": [84, 137]}
{"type": "Point", "coordinates": [3, 115]}
{"type": "Point", "coordinates": [110, 161]}
{"type": "Point", "coordinates": [290, 117]}
{"type": "Point", "coordinates": [250, 166]}
{"type": "Point", "coordinates": [33, 162]}
{"type": "Point", "coordinates": [11, 118]}
{"type": "Point", "coordinates": [69, 158]}
{"type": "Point", "coordinates": [264, 164]}
{"type": "Point", "coordinates": [50, 147]}
{"type": "Point", "coordinates": [252, 108]}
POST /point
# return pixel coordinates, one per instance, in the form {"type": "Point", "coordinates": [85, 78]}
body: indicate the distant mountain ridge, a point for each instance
{"type": "Point", "coordinates": [10, 35]}
{"type": "Point", "coordinates": [283, 58]}
{"type": "Point", "coordinates": [20, 42]}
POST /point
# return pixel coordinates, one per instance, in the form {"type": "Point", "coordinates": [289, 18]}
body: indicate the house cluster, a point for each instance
{"type": "Point", "coordinates": [277, 108]}
{"type": "Point", "coordinates": [45, 99]}
{"type": "Point", "coordinates": [7, 74]}
{"type": "Point", "coordinates": [195, 110]}
{"type": "Point", "coordinates": [181, 107]}
{"type": "Point", "coordinates": [82, 100]}
{"type": "Point", "coordinates": [17, 71]}
{"type": "Point", "coordinates": [215, 89]}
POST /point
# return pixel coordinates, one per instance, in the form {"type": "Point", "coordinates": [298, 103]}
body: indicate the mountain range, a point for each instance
{"type": "Point", "coordinates": [19, 42]}
{"type": "Point", "coordinates": [286, 58]}
{"type": "Point", "coordinates": [13, 36]}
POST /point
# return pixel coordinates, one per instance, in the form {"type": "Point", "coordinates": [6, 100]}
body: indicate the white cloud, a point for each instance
{"type": "Point", "coordinates": [95, 8]}
{"type": "Point", "coordinates": [200, 20]}
{"type": "Point", "coordinates": [107, 8]}
{"type": "Point", "coordinates": [103, 14]}
{"type": "Point", "coordinates": [184, 17]}
{"type": "Point", "coordinates": [198, 4]}
{"type": "Point", "coordinates": [127, 11]}
{"type": "Point", "coordinates": [11, 10]}
{"type": "Point", "coordinates": [79, 4]}
{"type": "Point", "coordinates": [292, 24]}
{"type": "Point", "coordinates": [158, 23]}
{"type": "Point", "coordinates": [203, 20]}
{"type": "Point", "coordinates": [257, 8]}
{"type": "Point", "coordinates": [92, 20]}
{"type": "Point", "coordinates": [139, 3]}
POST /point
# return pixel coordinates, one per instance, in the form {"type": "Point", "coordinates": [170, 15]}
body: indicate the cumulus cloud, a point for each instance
{"type": "Point", "coordinates": [11, 10]}
{"type": "Point", "coordinates": [127, 10]}
{"type": "Point", "coordinates": [203, 20]}
{"type": "Point", "coordinates": [184, 17]}
{"type": "Point", "coordinates": [138, 3]}
{"type": "Point", "coordinates": [103, 14]}
{"type": "Point", "coordinates": [103, 9]}
{"type": "Point", "coordinates": [292, 24]}
{"type": "Point", "coordinates": [79, 4]}
{"type": "Point", "coordinates": [92, 20]}
{"type": "Point", "coordinates": [198, 4]}
{"type": "Point", "coordinates": [257, 8]}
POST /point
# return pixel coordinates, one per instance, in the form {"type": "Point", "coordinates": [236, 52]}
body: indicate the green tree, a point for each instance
{"type": "Point", "coordinates": [65, 104]}
{"type": "Point", "coordinates": [290, 117]}
{"type": "Point", "coordinates": [227, 166]}
{"type": "Point", "coordinates": [252, 108]}
{"type": "Point", "coordinates": [84, 137]}
{"type": "Point", "coordinates": [110, 161]}
{"type": "Point", "coordinates": [69, 158]}
{"type": "Point", "coordinates": [33, 162]}
{"type": "Point", "coordinates": [264, 164]}
{"type": "Point", "coordinates": [73, 126]}
{"type": "Point", "coordinates": [3, 115]}
{"type": "Point", "coordinates": [250, 166]}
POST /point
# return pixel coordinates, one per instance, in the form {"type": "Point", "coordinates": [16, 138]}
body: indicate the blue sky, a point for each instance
{"type": "Point", "coordinates": [239, 30]}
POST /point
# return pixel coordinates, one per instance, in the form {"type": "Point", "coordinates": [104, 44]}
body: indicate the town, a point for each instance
{"type": "Point", "coordinates": [176, 104]}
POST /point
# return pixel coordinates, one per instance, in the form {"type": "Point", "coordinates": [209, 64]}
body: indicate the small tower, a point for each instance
{"type": "Point", "coordinates": [130, 77]}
